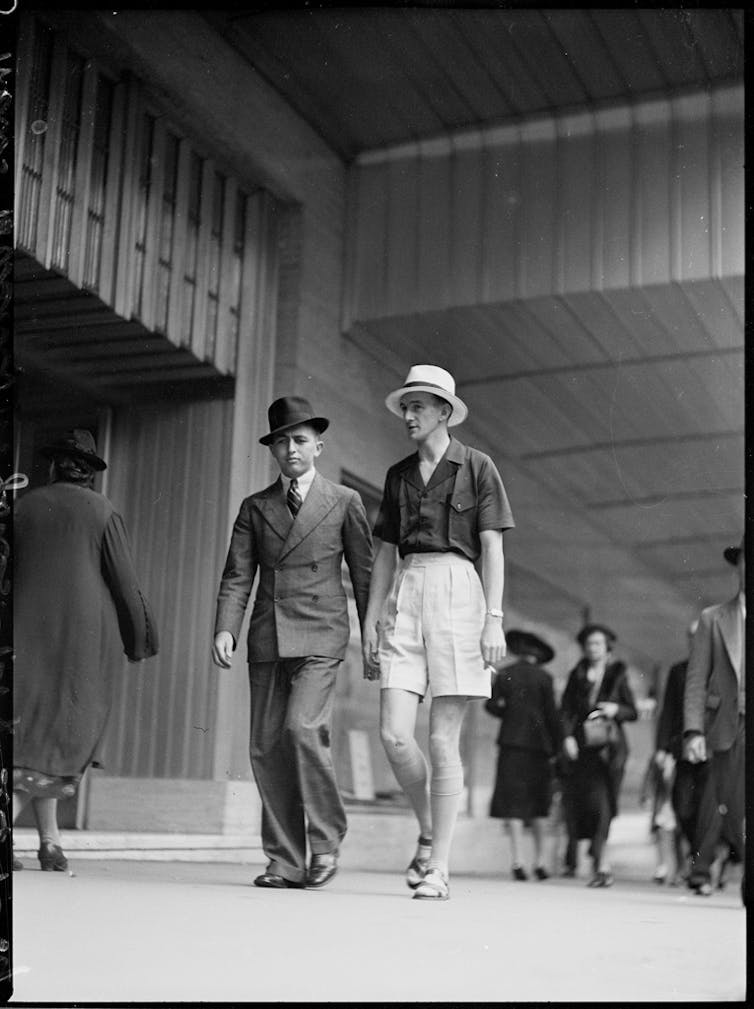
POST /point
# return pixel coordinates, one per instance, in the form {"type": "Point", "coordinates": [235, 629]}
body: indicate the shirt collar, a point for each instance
{"type": "Point", "coordinates": [304, 481]}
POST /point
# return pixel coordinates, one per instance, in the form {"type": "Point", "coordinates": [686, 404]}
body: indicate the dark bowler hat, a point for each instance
{"type": "Point", "coordinates": [289, 411]}
{"type": "Point", "coordinates": [526, 643]}
{"type": "Point", "coordinates": [731, 554]}
{"type": "Point", "coordinates": [78, 443]}
{"type": "Point", "coordinates": [588, 629]}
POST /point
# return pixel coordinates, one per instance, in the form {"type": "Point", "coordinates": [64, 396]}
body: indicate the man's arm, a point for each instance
{"type": "Point", "coordinates": [358, 551]}
{"type": "Point", "coordinates": [235, 587]}
{"type": "Point", "coordinates": [493, 577]}
{"type": "Point", "coordinates": [695, 693]}
{"type": "Point", "coordinates": [379, 586]}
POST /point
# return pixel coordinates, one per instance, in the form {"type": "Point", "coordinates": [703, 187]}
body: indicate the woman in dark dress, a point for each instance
{"type": "Point", "coordinates": [77, 608]}
{"type": "Point", "coordinates": [523, 698]}
{"type": "Point", "coordinates": [592, 775]}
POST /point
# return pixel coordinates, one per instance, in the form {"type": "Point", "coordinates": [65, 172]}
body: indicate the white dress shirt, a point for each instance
{"type": "Point", "coordinates": [304, 483]}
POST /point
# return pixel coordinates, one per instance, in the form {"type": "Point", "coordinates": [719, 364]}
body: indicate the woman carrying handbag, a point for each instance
{"type": "Point", "coordinates": [596, 701]}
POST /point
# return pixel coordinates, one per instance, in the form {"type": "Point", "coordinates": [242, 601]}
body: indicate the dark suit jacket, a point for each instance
{"type": "Point", "coordinates": [523, 697]}
{"type": "Point", "coordinates": [711, 697]}
{"type": "Point", "coordinates": [670, 722]}
{"type": "Point", "coordinates": [300, 607]}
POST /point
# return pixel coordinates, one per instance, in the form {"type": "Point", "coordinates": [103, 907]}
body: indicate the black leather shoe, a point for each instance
{"type": "Point", "coordinates": [541, 873]}
{"type": "Point", "coordinates": [519, 873]}
{"type": "Point", "coordinates": [321, 870]}
{"type": "Point", "coordinates": [51, 857]}
{"type": "Point", "coordinates": [275, 882]}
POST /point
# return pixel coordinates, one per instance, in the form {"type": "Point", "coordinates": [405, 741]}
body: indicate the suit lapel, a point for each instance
{"type": "Point", "coordinates": [318, 502]}
{"type": "Point", "coordinates": [275, 510]}
{"type": "Point", "coordinates": [728, 622]}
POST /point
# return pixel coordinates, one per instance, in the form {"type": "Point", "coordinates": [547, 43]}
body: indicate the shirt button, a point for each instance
{"type": "Point", "coordinates": [315, 567]}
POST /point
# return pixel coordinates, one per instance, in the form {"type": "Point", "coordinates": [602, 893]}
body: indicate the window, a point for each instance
{"type": "Point", "coordinates": [36, 132]}
{"type": "Point", "coordinates": [66, 176]}
{"type": "Point", "coordinates": [95, 216]}
{"type": "Point", "coordinates": [167, 227]}
{"type": "Point", "coordinates": [141, 206]}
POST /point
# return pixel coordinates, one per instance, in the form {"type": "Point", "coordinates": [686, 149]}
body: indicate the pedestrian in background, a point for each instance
{"type": "Point", "coordinates": [432, 622]}
{"type": "Point", "coordinates": [295, 534]}
{"type": "Point", "coordinates": [597, 700]}
{"type": "Point", "coordinates": [529, 738]}
{"type": "Point", "coordinates": [714, 722]}
{"type": "Point", "coordinates": [77, 607]}
{"type": "Point", "coordinates": [685, 778]}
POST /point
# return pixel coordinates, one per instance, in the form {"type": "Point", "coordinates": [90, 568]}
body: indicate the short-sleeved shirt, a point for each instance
{"type": "Point", "coordinates": [464, 497]}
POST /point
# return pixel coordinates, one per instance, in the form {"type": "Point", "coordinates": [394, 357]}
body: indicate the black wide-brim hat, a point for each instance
{"type": "Point", "coordinates": [610, 636]}
{"type": "Point", "coordinates": [78, 443]}
{"type": "Point", "coordinates": [526, 643]}
{"type": "Point", "coordinates": [731, 554]}
{"type": "Point", "coordinates": [288, 412]}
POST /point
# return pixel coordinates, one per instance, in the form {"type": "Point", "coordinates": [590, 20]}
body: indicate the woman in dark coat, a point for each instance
{"type": "Point", "coordinates": [77, 608]}
{"type": "Point", "coordinates": [523, 697]}
{"type": "Point", "coordinates": [592, 777]}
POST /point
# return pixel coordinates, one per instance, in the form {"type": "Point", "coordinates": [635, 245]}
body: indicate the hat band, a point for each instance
{"type": "Point", "coordinates": [434, 385]}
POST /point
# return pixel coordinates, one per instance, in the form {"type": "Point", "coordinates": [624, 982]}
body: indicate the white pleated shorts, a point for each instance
{"type": "Point", "coordinates": [431, 627]}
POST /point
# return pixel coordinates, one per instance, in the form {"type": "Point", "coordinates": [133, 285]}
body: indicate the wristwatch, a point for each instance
{"type": "Point", "coordinates": [495, 613]}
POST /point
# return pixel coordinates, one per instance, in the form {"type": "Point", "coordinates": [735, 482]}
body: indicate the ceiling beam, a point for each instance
{"type": "Point", "coordinates": [653, 499]}
{"type": "Point", "coordinates": [675, 439]}
{"type": "Point", "coordinates": [624, 362]}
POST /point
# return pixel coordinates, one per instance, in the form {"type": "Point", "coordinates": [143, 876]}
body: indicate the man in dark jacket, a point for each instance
{"type": "Point", "coordinates": [295, 533]}
{"type": "Point", "coordinates": [714, 725]}
{"type": "Point", "coordinates": [529, 737]}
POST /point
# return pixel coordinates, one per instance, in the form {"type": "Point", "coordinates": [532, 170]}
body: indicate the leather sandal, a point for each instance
{"type": "Point", "coordinates": [418, 866]}
{"type": "Point", "coordinates": [434, 886]}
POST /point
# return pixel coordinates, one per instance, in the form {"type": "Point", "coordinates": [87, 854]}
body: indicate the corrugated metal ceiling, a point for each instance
{"type": "Point", "coordinates": [371, 77]}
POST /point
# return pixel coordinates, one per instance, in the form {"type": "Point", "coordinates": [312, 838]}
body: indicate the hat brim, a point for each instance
{"type": "Point", "coordinates": [731, 554]}
{"type": "Point", "coordinates": [460, 410]}
{"type": "Point", "coordinates": [52, 451]}
{"type": "Point", "coordinates": [319, 424]}
{"type": "Point", "coordinates": [525, 643]}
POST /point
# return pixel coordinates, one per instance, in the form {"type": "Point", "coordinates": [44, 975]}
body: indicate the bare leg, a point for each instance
{"type": "Point", "coordinates": [515, 829]}
{"type": "Point", "coordinates": [46, 815]}
{"type": "Point", "coordinates": [538, 833]}
{"type": "Point", "coordinates": [20, 801]}
{"type": "Point", "coordinates": [397, 725]}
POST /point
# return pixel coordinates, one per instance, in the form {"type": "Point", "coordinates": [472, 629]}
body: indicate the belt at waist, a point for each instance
{"type": "Point", "coordinates": [421, 560]}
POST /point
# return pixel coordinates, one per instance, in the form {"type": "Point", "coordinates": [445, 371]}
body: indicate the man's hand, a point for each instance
{"type": "Point", "coordinates": [695, 748]}
{"type": "Point", "coordinates": [493, 643]}
{"type": "Point", "coordinates": [608, 708]}
{"type": "Point", "coordinates": [370, 652]}
{"type": "Point", "coordinates": [571, 747]}
{"type": "Point", "coordinates": [222, 649]}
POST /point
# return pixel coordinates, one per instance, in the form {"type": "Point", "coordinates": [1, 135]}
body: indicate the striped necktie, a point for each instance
{"type": "Point", "coordinates": [293, 498]}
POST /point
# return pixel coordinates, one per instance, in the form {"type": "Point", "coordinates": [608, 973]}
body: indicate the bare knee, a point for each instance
{"type": "Point", "coordinates": [395, 741]}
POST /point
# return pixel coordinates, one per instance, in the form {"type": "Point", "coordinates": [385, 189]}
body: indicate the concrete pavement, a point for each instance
{"type": "Point", "coordinates": [198, 931]}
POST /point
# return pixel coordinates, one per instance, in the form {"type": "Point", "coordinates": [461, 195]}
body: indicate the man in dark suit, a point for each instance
{"type": "Point", "coordinates": [295, 533]}
{"type": "Point", "coordinates": [714, 725]}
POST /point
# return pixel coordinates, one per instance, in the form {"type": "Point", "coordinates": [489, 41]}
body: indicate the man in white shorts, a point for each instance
{"type": "Point", "coordinates": [431, 621]}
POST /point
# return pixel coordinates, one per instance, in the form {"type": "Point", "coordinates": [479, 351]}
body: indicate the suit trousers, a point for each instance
{"type": "Point", "coordinates": [291, 757]}
{"type": "Point", "coordinates": [721, 808]}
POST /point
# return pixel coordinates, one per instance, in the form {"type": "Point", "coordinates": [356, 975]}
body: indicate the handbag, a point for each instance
{"type": "Point", "coordinates": [600, 731]}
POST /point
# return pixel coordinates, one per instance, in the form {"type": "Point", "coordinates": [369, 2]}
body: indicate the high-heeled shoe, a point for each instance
{"type": "Point", "coordinates": [51, 857]}
{"type": "Point", "coordinates": [541, 873]}
{"type": "Point", "coordinates": [519, 873]}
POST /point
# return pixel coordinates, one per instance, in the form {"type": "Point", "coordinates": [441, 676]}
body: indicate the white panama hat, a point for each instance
{"type": "Point", "coordinates": [429, 378]}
